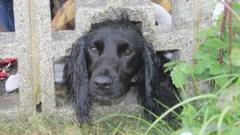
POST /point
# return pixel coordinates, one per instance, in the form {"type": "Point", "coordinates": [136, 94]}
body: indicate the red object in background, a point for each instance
{"type": "Point", "coordinates": [3, 75]}
{"type": "Point", "coordinates": [6, 61]}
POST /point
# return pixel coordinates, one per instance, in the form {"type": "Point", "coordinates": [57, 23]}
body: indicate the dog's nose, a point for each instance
{"type": "Point", "coordinates": [103, 82]}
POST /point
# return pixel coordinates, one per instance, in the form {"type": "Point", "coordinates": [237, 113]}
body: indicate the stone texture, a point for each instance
{"type": "Point", "coordinates": [8, 104]}
{"type": "Point", "coordinates": [48, 44]}
{"type": "Point", "coordinates": [17, 45]}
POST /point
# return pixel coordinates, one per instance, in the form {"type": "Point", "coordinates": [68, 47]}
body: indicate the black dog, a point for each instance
{"type": "Point", "coordinates": [109, 60]}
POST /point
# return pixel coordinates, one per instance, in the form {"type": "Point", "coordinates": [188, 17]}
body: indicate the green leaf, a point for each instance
{"type": "Point", "coordinates": [203, 65]}
{"type": "Point", "coordinates": [170, 65]}
{"type": "Point", "coordinates": [238, 82]}
{"type": "Point", "coordinates": [186, 68]}
{"type": "Point", "coordinates": [215, 43]}
{"type": "Point", "coordinates": [179, 79]}
{"type": "Point", "coordinates": [221, 81]}
{"type": "Point", "coordinates": [216, 69]}
{"type": "Point", "coordinates": [180, 74]}
{"type": "Point", "coordinates": [236, 7]}
{"type": "Point", "coordinates": [235, 56]}
{"type": "Point", "coordinates": [210, 32]}
{"type": "Point", "coordinates": [199, 68]}
{"type": "Point", "coordinates": [201, 55]}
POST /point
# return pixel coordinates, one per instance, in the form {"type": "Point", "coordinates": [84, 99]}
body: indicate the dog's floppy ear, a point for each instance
{"type": "Point", "coordinates": [159, 89]}
{"type": "Point", "coordinates": [76, 78]}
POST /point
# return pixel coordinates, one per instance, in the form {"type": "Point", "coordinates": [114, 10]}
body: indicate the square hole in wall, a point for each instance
{"type": "Point", "coordinates": [62, 14]}
{"type": "Point", "coordinates": [6, 16]}
{"type": "Point", "coordinates": [126, 104]}
{"type": "Point", "coordinates": [169, 55]}
{"type": "Point", "coordinates": [9, 86]}
{"type": "Point", "coordinates": [62, 94]}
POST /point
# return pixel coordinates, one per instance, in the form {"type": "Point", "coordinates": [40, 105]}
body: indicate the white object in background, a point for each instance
{"type": "Point", "coordinates": [162, 16]}
{"type": "Point", "coordinates": [168, 56]}
{"type": "Point", "coordinates": [218, 10]}
{"type": "Point", "coordinates": [172, 54]}
{"type": "Point", "coordinates": [58, 72]}
{"type": "Point", "coordinates": [12, 83]}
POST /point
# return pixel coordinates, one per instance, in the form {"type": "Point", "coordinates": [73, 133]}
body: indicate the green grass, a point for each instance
{"type": "Point", "coordinates": [202, 115]}
{"type": "Point", "coordinates": [215, 113]}
{"type": "Point", "coordinates": [51, 125]}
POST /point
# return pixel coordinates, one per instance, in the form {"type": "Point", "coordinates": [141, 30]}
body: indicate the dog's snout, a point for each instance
{"type": "Point", "coordinates": [103, 82]}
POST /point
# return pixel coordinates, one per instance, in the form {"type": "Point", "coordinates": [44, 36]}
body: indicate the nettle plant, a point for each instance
{"type": "Point", "coordinates": [216, 65]}
{"type": "Point", "coordinates": [217, 59]}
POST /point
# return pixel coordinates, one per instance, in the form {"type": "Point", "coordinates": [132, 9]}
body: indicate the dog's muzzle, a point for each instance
{"type": "Point", "coordinates": [103, 82]}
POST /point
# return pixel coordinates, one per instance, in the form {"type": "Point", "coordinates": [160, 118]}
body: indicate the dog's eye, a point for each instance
{"type": "Point", "coordinates": [128, 52]}
{"type": "Point", "coordinates": [93, 49]}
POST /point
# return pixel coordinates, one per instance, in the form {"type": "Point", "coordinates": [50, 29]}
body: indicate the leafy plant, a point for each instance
{"type": "Point", "coordinates": [217, 55]}
{"type": "Point", "coordinates": [217, 64]}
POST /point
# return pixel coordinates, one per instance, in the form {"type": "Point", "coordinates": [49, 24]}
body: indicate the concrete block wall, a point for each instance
{"type": "Point", "coordinates": [35, 45]}
{"type": "Point", "coordinates": [17, 44]}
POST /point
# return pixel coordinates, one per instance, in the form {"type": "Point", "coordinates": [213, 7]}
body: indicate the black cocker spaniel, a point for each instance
{"type": "Point", "coordinates": [112, 58]}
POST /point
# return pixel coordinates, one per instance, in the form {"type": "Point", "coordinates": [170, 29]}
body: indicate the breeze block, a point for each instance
{"type": "Point", "coordinates": [36, 45]}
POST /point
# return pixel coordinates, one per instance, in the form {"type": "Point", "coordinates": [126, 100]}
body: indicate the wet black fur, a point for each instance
{"type": "Point", "coordinates": [152, 84]}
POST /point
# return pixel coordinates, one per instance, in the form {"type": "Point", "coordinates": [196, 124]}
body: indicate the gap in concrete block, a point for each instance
{"type": "Point", "coordinates": [9, 93]}
{"type": "Point", "coordinates": [6, 16]}
{"type": "Point", "coordinates": [62, 14]}
{"type": "Point", "coordinates": [126, 104]}
{"type": "Point", "coordinates": [62, 94]}
{"type": "Point", "coordinates": [169, 55]}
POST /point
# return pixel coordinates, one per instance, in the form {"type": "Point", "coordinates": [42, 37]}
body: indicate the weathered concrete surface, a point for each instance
{"type": "Point", "coordinates": [17, 44]}
{"type": "Point", "coordinates": [54, 44]}
{"type": "Point", "coordinates": [9, 104]}
{"type": "Point", "coordinates": [127, 105]}
{"type": "Point", "coordinates": [206, 12]}
{"type": "Point", "coordinates": [179, 36]}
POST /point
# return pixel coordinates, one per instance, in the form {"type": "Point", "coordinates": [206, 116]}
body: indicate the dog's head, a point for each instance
{"type": "Point", "coordinates": [114, 57]}
{"type": "Point", "coordinates": [110, 59]}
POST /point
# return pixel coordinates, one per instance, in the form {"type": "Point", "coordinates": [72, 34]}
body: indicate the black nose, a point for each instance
{"type": "Point", "coordinates": [103, 82]}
